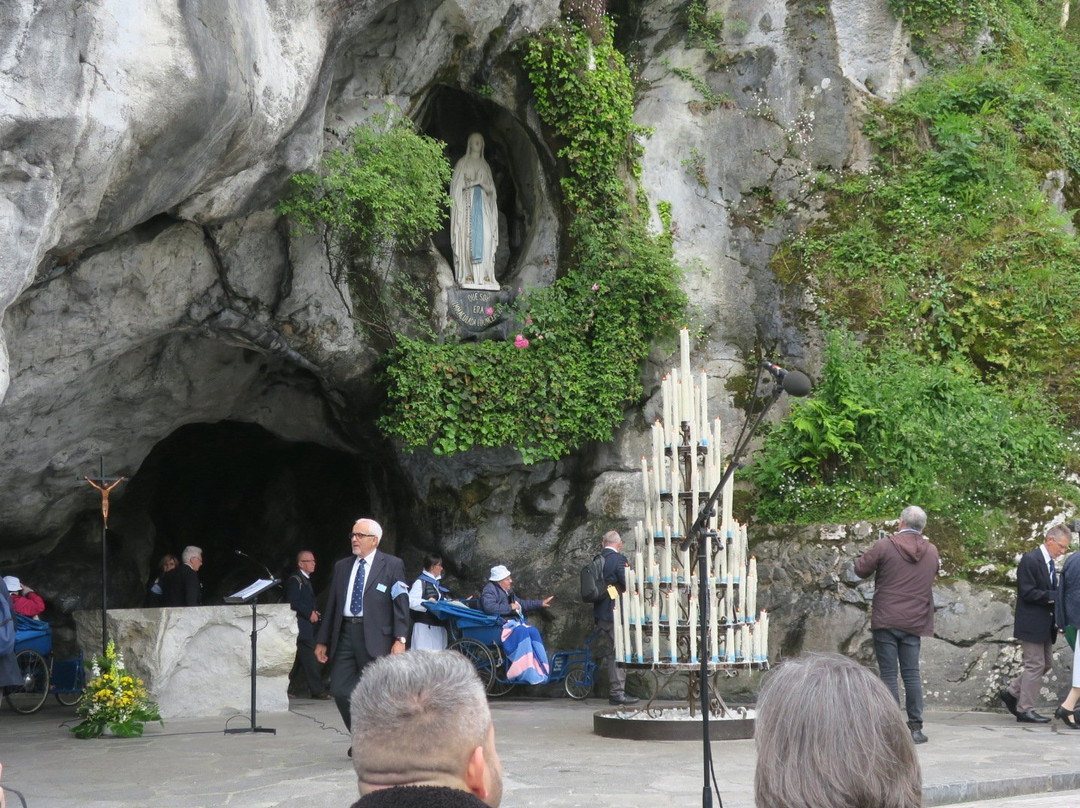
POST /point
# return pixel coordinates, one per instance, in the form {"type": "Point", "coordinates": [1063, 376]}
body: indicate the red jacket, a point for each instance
{"type": "Point", "coordinates": [906, 564]}
{"type": "Point", "coordinates": [28, 605]}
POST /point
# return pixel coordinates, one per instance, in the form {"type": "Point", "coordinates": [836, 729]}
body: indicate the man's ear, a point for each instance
{"type": "Point", "coordinates": [476, 773]}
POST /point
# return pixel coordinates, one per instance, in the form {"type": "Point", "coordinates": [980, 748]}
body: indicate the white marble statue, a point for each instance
{"type": "Point", "coordinates": [474, 219]}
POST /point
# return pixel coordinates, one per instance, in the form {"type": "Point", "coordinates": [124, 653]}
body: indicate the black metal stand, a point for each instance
{"type": "Point", "coordinates": [698, 532]}
{"type": "Point", "coordinates": [254, 600]}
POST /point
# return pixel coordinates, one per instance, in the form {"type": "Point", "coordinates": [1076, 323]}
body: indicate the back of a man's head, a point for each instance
{"type": "Point", "coordinates": [422, 718]}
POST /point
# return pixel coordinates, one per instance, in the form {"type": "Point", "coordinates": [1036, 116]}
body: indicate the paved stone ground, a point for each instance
{"type": "Point", "coordinates": [550, 756]}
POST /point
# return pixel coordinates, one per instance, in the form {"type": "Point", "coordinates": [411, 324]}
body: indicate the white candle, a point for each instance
{"type": "Point", "coordinates": [655, 621]}
{"type": "Point", "coordinates": [729, 592]}
{"type": "Point", "coordinates": [725, 510]}
{"type": "Point", "coordinates": [751, 590]}
{"type": "Point", "coordinates": [658, 456]}
{"type": "Point", "coordinates": [639, 619]}
{"type": "Point", "coordinates": [722, 555]}
{"type": "Point", "coordinates": [763, 627]}
{"type": "Point", "coordinates": [651, 557]}
{"type": "Point", "coordinates": [707, 572]}
{"type": "Point", "coordinates": [742, 592]}
{"type": "Point", "coordinates": [744, 643]}
{"type": "Point", "coordinates": [684, 371]}
{"type": "Point", "coordinates": [617, 630]}
{"type": "Point", "coordinates": [666, 573]}
{"type": "Point", "coordinates": [684, 557]}
{"type": "Point", "coordinates": [714, 626]}
{"type": "Point", "coordinates": [729, 643]}
{"type": "Point", "coordinates": [673, 621]}
{"type": "Point", "coordinates": [692, 614]}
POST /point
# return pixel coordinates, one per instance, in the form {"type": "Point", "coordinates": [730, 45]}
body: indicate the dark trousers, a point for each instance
{"type": "Point", "coordinates": [616, 675]}
{"type": "Point", "coordinates": [894, 648]}
{"type": "Point", "coordinates": [349, 660]}
{"type": "Point", "coordinates": [305, 661]}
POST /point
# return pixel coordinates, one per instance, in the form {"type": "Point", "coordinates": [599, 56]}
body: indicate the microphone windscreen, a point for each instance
{"type": "Point", "coordinates": [796, 384]}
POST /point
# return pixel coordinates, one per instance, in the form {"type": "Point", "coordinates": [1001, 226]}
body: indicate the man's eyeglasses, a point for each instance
{"type": "Point", "coordinates": [364, 536]}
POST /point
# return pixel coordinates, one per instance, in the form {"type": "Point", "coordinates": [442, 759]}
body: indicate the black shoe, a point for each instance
{"type": "Point", "coordinates": [321, 696]}
{"type": "Point", "coordinates": [1009, 700]}
{"type": "Point", "coordinates": [1032, 717]}
{"type": "Point", "coordinates": [1067, 717]}
{"type": "Point", "coordinates": [623, 700]}
{"type": "Point", "coordinates": [918, 737]}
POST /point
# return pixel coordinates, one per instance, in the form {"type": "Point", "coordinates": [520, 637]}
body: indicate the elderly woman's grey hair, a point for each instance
{"type": "Point", "coordinates": [830, 735]}
{"type": "Point", "coordinates": [421, 709]}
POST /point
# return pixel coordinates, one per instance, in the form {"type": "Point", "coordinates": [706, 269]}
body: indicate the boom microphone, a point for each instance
{"type": "Point", "coordinates": [794, 383]}
{"type": "Point", "coordinates": [269, 574]}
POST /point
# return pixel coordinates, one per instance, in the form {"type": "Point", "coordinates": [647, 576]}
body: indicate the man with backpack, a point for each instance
{"type": "Point", "coordinates": [615, 565]}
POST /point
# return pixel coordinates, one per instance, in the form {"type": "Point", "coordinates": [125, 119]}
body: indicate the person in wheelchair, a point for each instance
{"type": "Point", "coordinates": [527, 660]}
{"type": "Point", "coordinates": [24, 600]}
{"type": "Point", "coordinates": [499, 598]}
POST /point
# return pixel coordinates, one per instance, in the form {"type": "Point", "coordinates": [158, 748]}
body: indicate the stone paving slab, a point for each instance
{"type": "Point", "coordinates": [550, 757]}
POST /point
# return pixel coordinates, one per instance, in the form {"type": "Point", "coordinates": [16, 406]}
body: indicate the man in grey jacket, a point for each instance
{"type": "Point", "coordinates": [904, 565]}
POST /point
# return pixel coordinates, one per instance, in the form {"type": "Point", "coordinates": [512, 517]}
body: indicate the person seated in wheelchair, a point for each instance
{"type": "Point", "coordinates": [527, 660]}
{"type": "Point", "coordinates": [499, 598]}
{"type": "Point", "coordinates": [24, 600]}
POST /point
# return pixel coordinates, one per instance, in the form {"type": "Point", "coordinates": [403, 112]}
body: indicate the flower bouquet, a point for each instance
{"type": "Point", "coordinates": [113, 701]}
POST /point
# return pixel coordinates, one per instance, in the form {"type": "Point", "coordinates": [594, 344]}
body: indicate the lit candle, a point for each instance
{"type": "Point", "coordinates": [673, 621]}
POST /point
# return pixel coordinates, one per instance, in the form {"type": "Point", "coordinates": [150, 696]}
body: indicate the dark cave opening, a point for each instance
{"type": "Point", "coordinates": [231, 486]}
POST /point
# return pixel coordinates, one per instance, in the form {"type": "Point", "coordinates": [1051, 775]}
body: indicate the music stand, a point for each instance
{"type": "Point", "coordinates": [250, 594]}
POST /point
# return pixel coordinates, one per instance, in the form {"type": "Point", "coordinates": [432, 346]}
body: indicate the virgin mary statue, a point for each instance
{"type": "Point", "coordinates": [474, 219]}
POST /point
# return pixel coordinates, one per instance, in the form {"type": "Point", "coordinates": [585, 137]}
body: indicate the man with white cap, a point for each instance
{"type": "Point", "coordinates": [498, 596]}
{"type": "Point", "coordinates": [24, 600]}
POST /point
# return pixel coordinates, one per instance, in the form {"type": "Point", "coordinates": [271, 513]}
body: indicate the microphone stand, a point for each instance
{"type": "Point", "coordinates": [698, 532]}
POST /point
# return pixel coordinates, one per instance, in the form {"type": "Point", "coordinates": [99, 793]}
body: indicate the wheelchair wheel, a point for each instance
{"type": "Point", "coordinates": [478, 654]}
{"type": "Point", "coordinates": [498, 685]}
{"type": "Point", "coordinates": [68, 699]}
{"type": "Point", "coordinates": [35, 688]}
{"type": "Point", "coordinates": [578, 684]}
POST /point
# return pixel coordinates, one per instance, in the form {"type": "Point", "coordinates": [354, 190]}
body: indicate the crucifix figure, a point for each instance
{"type": "Point", "coordinates": [105, 495]}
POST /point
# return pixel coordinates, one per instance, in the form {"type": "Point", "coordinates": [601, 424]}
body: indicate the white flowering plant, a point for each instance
{"type": "Point", "coordinates": [113, 700]}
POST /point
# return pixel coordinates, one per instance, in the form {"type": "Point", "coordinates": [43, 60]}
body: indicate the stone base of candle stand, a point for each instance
{"type": "Point", "coordinates": [670, 724]}
{"type": "Point", "coordinates": [651, 722]}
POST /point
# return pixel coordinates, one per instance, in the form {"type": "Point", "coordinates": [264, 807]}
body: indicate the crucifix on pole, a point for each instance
{"type": "Point", "coordinates": [104, 485]}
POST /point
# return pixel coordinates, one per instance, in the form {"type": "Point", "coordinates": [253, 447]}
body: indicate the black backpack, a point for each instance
{"type": "Point", "coordinates": [593, 587]}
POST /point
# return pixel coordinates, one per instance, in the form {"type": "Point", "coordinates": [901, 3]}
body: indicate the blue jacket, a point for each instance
{"type": "Point", "coordinates": [494, 600]}
{"type": "Point", "coordinates": [301, 596]}
{"type": "Point", "coordinates": [615, 564]}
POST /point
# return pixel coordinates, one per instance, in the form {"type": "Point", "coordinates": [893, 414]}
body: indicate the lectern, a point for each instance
{"type": "Point", "coordinates": [250, 594]}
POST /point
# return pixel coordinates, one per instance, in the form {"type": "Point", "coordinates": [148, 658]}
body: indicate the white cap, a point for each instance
{"type": "Point", "coordinates": [498, 573]}
{"type": "Point", "coordinates": [14, 585]}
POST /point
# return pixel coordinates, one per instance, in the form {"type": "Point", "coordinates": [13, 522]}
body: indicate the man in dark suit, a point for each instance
{"type": "Point", "coordinates": [366, 615]}
{"type": "Point", "coordinates": [301, 596]}
{"type": "Point", "coordinates": [1036, 588]}
{"type": "Point", "coordinates": [615, 565]}
{"type": "Point", "coordinates": [180, 586]}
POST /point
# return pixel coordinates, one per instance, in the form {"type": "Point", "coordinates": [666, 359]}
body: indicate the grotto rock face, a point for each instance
{"type": "Point", "coordinates": [155, 312]}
